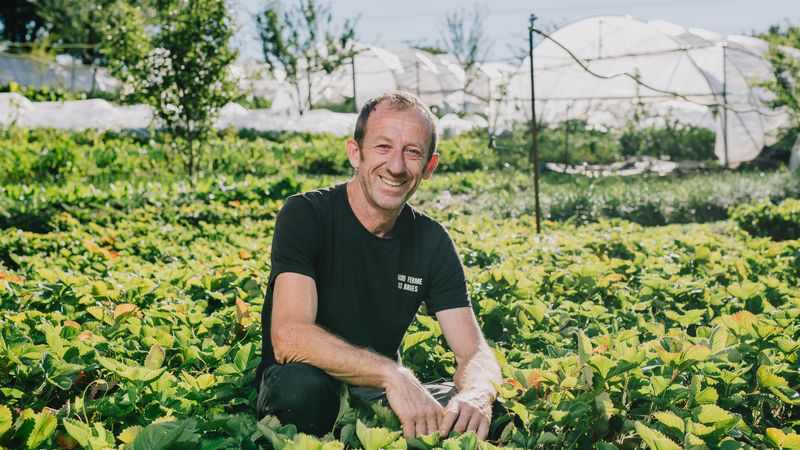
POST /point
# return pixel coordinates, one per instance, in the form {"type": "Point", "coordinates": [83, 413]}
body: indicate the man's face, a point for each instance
{"type": "Point", "coordinates": [393, 158]}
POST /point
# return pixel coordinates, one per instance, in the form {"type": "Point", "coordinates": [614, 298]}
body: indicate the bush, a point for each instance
{"type": "Point", "coordinates": [765, 219]}
{"type": "Point", "coordinates": [674, 141]}
{"type": "Point", "coordinates": [464, 153]}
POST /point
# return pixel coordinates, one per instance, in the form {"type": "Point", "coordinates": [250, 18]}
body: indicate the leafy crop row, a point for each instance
{"type": "Point", "coordinates": [129, 317]}
{"type": "Point", "coordinates": [766, 219]}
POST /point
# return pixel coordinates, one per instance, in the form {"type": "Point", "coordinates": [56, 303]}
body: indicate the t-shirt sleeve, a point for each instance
{"type": "Point", "coordinates": [448, 282]}
{"type": "Point", "coordinates": [295, 243]}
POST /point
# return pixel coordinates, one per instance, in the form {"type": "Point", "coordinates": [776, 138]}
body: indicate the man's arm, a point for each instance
{"type": "Point", "coordinates": [471, 408]}
{"type": "Point", "coordinates": [296, 338]}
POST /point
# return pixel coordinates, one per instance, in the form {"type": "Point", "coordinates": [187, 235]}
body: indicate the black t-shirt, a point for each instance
{"type": "Point", "coordinates": [368, 288]}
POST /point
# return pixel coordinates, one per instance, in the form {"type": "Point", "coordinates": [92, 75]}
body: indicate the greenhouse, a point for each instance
{"type": "Point", "coordinates": [607, 69]}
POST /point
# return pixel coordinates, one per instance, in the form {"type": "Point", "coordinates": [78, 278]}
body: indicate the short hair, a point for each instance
{"type": "Point", "coordinates": [399, 101]}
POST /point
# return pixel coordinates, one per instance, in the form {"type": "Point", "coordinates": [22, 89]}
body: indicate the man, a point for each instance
{"type": "Point", "coordinates": [351, 265]}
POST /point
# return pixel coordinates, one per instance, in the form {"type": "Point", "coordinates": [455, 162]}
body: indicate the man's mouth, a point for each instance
{"type": "Point", "coordinates": [391, 183]}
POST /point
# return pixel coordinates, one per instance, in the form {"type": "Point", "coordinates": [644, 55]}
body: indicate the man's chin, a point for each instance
{"type": "Point", "coordinates": [390, 203]}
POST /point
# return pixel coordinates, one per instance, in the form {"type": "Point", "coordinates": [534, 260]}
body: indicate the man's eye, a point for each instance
{"type": "Point", "coordinates": [414, 153]}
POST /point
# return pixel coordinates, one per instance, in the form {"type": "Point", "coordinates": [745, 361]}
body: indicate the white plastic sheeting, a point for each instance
{"type": "Point", "coordinates": [439, 80]}
{"type": "Point", "coordinates": [102, 115]}
{"type": "Point", "coordinates": [35, 72]}
{"type": "Point", "coordinates": [705, 69]}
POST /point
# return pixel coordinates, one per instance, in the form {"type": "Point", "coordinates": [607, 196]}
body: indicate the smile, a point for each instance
{"type": "Point", "coordinates": [391, 183]}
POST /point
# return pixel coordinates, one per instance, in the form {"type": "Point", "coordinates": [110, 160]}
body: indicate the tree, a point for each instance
{"type": "Point", "coordinates": [73, 27]}
{"type": "Point", "coordinates": [21, 22]}
{"type": "Point", "coordinates": [180, 67]}
{"type": "Point", "coordinates": [465, 39]}
{"type": "Point", "coordinates": [303, 42]}
{"type": "Point", "coordinates": [786, 69]}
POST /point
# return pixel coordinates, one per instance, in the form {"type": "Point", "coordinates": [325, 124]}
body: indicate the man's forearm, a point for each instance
{"type": "Point", "coordinates": [311, 344]}
{"type": "Point", "coordinates": [479, 373]}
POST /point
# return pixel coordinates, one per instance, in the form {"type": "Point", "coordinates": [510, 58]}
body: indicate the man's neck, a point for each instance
{"type": "Point", "coordinates": [377, 221]}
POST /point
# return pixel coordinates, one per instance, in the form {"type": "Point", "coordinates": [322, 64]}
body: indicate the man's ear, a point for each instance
{"type": "Point", "coordinates": [430, 167]}
{"type": "Point", "coordinates": [353, 153]}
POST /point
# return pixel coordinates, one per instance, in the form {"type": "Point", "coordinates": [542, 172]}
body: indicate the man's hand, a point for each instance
{"type": "Point", "coordinates": [470, 410]}
{"type": "Point", "coordinates": [418, 411]}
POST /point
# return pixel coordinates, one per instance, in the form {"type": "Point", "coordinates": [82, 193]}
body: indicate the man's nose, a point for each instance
{"type": "Point", "coordinates": [396, 164]}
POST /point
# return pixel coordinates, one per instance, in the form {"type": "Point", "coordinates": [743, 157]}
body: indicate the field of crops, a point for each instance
{"type": "Point", "coordinates": [129, 314]}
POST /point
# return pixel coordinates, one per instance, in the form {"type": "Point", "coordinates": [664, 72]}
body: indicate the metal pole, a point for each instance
{"type": "Point", "coordinates": [534, 154]}
{"type": "Point", "coordinates": [353, 69]}
{"type": "Point", "coordinates": [725, 102]}
{"type": "Point", "coordinates": [416, 66]}
{"type": "Point", "coordinates": [566, 140]}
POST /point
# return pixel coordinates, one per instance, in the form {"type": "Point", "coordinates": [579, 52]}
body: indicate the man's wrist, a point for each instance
{"type": "Point", "coordinates": [389, 374]}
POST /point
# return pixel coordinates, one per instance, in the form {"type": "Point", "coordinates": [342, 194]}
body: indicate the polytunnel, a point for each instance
{"type": "Point", "coordinates": [692, 76]}
{"type": "Point", "coordinates": [437, 79]}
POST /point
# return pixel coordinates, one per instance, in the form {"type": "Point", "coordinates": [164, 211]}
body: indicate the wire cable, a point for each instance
{"type": "Point", "coordinates": [636, 79]}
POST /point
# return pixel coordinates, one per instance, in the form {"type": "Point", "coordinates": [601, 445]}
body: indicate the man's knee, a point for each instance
{"type": "Point", "coordinates": [302, 395]}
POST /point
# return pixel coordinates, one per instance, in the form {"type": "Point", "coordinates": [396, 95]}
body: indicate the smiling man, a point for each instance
{"type": "Point", "coordinates": [351, 265]}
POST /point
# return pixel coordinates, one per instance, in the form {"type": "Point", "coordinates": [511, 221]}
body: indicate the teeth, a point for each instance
{"type": "Point", "coordinates": [391, 183]}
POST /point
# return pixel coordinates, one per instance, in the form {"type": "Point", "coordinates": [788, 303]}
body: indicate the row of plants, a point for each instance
{"type": "Point", "coordinates": [44, 157]}
{"type": "Point", "coordinates": [647, 200]}
{"type": "Point", "coordinates": [575, 142]}
{"type": "Point", "coordinates": [54, 94]}
{"type": "Point", "coordinates": [47, 155]}
{"type": "Point", "coordinates": [132, 319]}
{"type": "Point", "coordinates": [508, 194]}
{"type": "Point", "coordinates": [780, 222]}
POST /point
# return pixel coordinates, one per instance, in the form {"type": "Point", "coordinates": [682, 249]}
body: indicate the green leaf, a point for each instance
{"type": "Point", "coordinates": [79, 431]}
{"type": "Point", "coordinates": [768, 379]}
{"type": "Point", "coordinates": [670, 419]}
{"type": "Point", "coordinates": [6, 420]}
{"type": "Point", "coordinates": [569, 383]}
{"type": "Point", "coordinates": [430, 323]}
{"type": "Point", "coordinates": [602, 445]}
{"type": "Point", "coordinates": [155, 357]}
{"type": "Point", "coordinates": [584, 347]}
{"type": "Point", "coordinates": [707, 396]}
{"type": "Point", "coordinates": [712, 414]}
{"type": "Point", "coordinates": [427, 442]}
{"type": "Point", "coordinates": [128, 435]}
{"type": "Point", "coordinates": [161, 436]}
{"type": "Point", "coordinates": [746, 290]}
{"type": "Point", "coordinates": [602, 364]}
{"type": "Point", "coordinates": [132, 373]}
{"type": "Point", "coordinates": [718, 339]}
{"type": "Point", "coordinates": [43, 428]}
{"type": "Point", "coordinates": [604, 405]}
{"type": "Point", "coordinates": [782, 440]}
{"type": "Point", "coordinates": [654, 439]}
{"type": "Point", "coordinates": [244, 359]}
{"type": "Point", "coordinates": [376, 438]}
{"type": "Point", "coordinates": [416, 338]}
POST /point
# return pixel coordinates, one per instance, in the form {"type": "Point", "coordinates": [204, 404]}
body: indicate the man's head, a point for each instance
{"type": "Point", "coordinates": [398, 101]}
{"type": "Point", "coordinates": [392, 150]}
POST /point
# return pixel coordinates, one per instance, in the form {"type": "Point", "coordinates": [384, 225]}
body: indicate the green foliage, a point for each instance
{"type": "Point", "coordinates": [786, 69]}
{"type": "Point", "coordinates": [674, 141]}
{"type": "Point", "coordinates": [573, 142]}
{"type": "Point", "coordinates": [98, 158]}
{"type": "Point", "coordinates": [73, 27]}
{"type": "Point", "coordinates": [765, 219]}
{"type": "Point", "coordinates": [301, 41]}
{"type": "Point", "coordinates": [181, 69]}
{"type": "Point", "coordinates": [56, 94]}
{"type": "Point", "coordinates": [131, 318]}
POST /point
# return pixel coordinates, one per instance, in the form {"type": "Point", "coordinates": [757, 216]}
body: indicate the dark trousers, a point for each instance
{"type": "Point", "coordinates": [308, 397]}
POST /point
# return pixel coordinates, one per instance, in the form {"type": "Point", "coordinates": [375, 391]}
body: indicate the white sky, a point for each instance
{"type": "Point", "coordinates": [396, 23]}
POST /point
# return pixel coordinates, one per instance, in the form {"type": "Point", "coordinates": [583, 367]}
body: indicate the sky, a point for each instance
{"type": "Point", "coordinates": [397, 23]}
